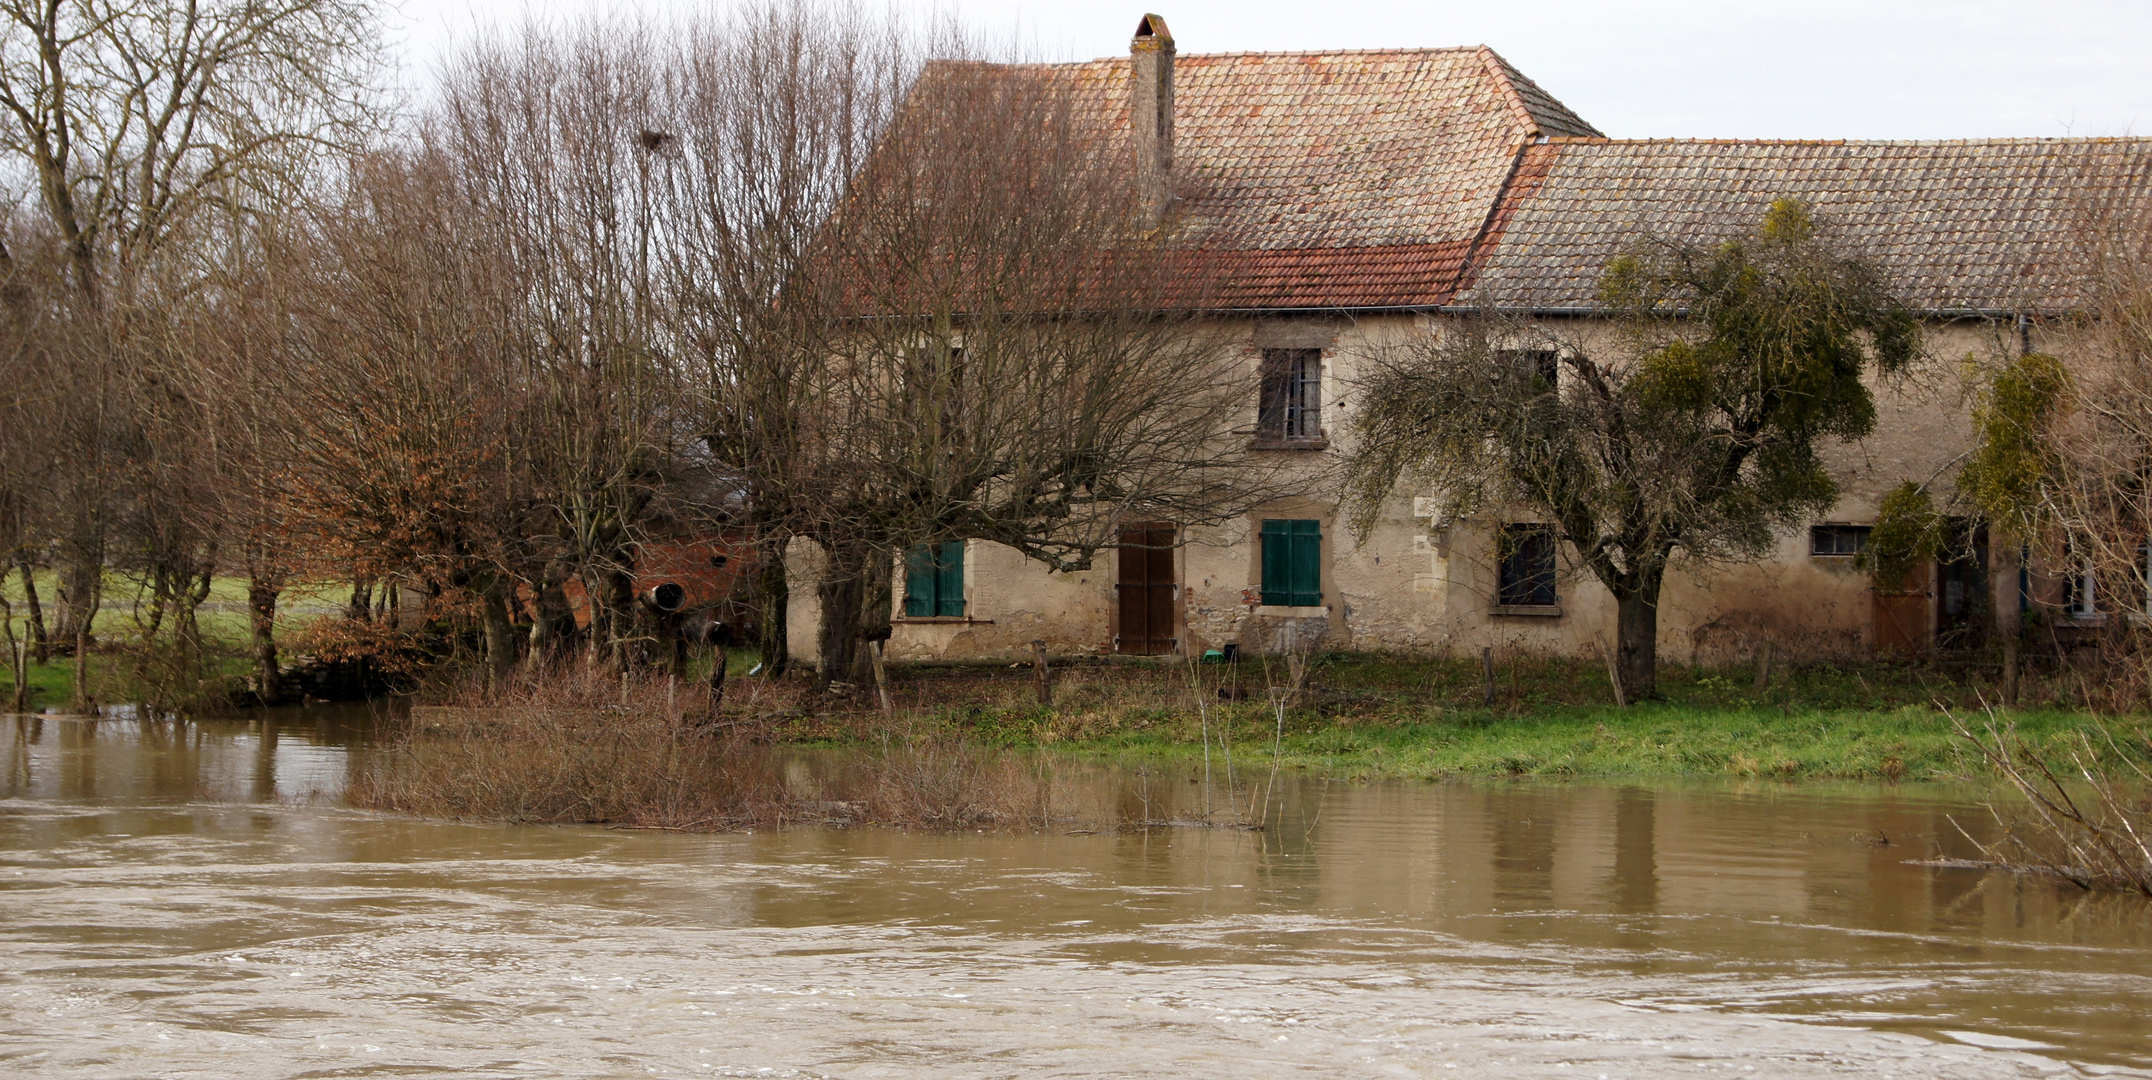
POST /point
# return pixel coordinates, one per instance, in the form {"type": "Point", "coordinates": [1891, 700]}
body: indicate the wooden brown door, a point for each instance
{"type": "Point", "coordinates": [1144, 622]}
{"type": "Point", "coordinates": [1902, 614]}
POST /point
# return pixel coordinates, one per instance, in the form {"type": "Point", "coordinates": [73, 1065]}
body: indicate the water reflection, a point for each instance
{"type": "Point", "coordinates": [164, 894]}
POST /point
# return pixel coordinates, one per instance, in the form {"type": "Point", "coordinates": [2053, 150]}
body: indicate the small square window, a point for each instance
{"type": "Point", "coordinates": [1292, 563]}
{"type": "Point", "coordinates": [1291, 406]}
{"type": "Point", "coordinates": [1837, 540]}
{"type": "Point", "coordinates": [1527, 566]}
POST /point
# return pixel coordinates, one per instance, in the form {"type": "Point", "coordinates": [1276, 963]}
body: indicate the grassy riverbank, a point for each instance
{"type": "Point", "coordinates": [972, 746]}
{"type": "Point", "coordinates": [1370, 717]}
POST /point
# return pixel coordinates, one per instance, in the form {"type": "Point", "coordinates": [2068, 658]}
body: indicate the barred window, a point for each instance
{"type": "Point", "coordinates": [1830, 540]}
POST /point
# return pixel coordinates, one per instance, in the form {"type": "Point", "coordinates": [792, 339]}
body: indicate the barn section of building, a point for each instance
{"type": "Point", "coordinates": [1335, 201]}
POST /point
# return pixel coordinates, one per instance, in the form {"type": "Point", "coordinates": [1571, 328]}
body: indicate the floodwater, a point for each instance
{"type": "Point", "coordinates": [187, 900]}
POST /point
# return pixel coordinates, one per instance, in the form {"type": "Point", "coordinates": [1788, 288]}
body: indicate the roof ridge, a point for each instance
{"type": "Point", "coordinates": [1499, 69]}
{"type": "Point", "coordinates": [2028, 140]}
{"type": "Point", "coordinates": [1525, 92]}
{"type": "Point", "coordinates": [1425, 50]}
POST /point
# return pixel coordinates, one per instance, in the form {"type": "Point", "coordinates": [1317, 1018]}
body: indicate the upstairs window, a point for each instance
{"type": "Point", "coordinates": [1292, 563]}
{"type": "Point", "coordinates": [1526, 576]}
{"type": "Point", "coordinates": [934, 581]}
{"type": "Point", "coordinates": [1826, 541]}
{"type": "Point", "coordinates": [1291, 408]}
{"type": "Point", "coordinates": [1542, 366]}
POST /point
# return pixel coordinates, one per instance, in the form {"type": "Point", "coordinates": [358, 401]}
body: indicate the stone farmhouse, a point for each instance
{"type": "Point", "coordinates": [1342, 196]}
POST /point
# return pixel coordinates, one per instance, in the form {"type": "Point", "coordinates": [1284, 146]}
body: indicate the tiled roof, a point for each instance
{"type": "Point", "coordinates": [1340, 179]}
{"type": "Point", "coordinates": [1986, 225]}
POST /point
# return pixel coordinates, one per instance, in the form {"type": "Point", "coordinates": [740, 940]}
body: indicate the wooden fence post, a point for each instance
{"type": "Point", "coordinates": [1042, 673]}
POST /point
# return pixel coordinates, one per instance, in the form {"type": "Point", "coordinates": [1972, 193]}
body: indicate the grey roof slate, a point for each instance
{"type": "Point", "coordinates": [1986, 225]}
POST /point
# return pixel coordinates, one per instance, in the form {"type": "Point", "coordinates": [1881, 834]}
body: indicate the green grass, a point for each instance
{"type": "Point", "coordinates": [1374, 717]}
{"type": "Point", "coordinates": [1653, 739]}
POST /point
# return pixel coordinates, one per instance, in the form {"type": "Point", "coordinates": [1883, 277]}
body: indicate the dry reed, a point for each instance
{"type": "Point", "coordinates": [644, 752]}
{"type": "Point", "coordinates": [2090, 824]}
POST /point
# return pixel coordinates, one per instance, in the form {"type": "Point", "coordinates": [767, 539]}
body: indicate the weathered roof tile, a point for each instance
{"type": "Point", "coordinates": [1976, 225]}
{"type": "Point", "coordinates": [1339, 179]}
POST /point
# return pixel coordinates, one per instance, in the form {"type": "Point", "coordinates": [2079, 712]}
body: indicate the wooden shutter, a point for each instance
{"type": "Point", "coordinates": [919, 582]}
{"type": "Point", "coordinates": [1292, 563]}
{"type": "Point", "coordinates": [949, 589]}
{"type": "Point", "coordinates": [934, 581]}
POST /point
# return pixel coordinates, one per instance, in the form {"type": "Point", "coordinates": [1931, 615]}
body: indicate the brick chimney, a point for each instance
{"type": "Point", "coordinates": [1150, 114]}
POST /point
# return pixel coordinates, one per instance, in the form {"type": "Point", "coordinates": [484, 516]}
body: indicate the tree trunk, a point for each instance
{"type": "Point", "coordinates": [552, 621]}
{"type": "Point", "coordinates": [262, 594]}
{"type": "Point", "coordinates": [856, 600]}
{"type": "Point", "coordinates": [500, 632]}
{"type": "Point", "coordinates": [773, 600]}
{"type": "Point", "coordinates": [86, 617]}
{"type": "Point", "coordinates": [611, 600]}
{"type": "Point", "coordinates": [40, 646]}
{"type": "Point", "coordinates": [17, 666]}
{"type": "Point", "coordinates": [78, 599]}
{"type": "Point", "coordinates": [1636, 643]}
{"type": "Point", "coordinates": [188, 617]}
{"type": "Point", "coordinates": [841, 588]}
{"type": "Point", "coordinates": [361, 607]}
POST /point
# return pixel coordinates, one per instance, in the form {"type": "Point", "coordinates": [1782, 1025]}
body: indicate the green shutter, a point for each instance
{"type": "Point", "coordinates": [934, 580]}
{"type": "Point", "coordinates": [1275, 560]}
{"type": "Point", "coordinates": [919, 580]}
{"type": "Point", "coordinates": [1292, 563]}
{"type": "Point", "coordinates": [949, 591]}
{"type": "Point", "coordinates": [1307, 570]}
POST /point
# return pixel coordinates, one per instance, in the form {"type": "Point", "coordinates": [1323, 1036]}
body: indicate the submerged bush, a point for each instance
{"type": "Point", "coordinates": [574, 748]}
{"type": "Point", "coordinates": [2090, 824]}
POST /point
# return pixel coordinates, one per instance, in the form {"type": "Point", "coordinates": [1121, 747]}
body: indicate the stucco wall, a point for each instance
{"type": "Point", "coordinates": [1413, 586]}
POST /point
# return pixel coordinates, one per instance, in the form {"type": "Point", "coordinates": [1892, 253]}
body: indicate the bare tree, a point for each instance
{"type": "Point", "coordinates": [127, 119]}
{"type": "Point", "coordinates": [933, 313]}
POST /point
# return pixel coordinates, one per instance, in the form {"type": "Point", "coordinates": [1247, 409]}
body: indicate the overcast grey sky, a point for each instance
{"type": "Point", "coordinates": [1896, 69]}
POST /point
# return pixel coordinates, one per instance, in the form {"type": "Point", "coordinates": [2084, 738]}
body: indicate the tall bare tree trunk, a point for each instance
{"type": "Point", "coordinates": [773, 599]}
{"type": "Point", "coordinates": [262, 594]}
{"type": "Point", "coordinates": [78, 597]}
{"type": "Point", "coordinates": [17, 666]}
{"type": "Point", "coordinates": [188, 616]}
{"type": "Point", "coordinates": [40, 643]}
{"type": "Point", "coordinates": [552, 620]}
{"type": "Point", "coordinates": [856, 600]}
{"type": "Point", "coordinates": [500, 631]}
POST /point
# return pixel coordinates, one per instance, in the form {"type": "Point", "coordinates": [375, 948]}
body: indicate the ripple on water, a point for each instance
{"type": "Point", "coordinates": [1526, 930]}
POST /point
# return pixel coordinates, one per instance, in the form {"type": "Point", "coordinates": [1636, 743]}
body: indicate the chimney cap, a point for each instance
{"type": "Point", "coordinates": [1151, 32]}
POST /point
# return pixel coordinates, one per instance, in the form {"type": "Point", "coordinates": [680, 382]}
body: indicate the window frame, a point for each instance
{"type": "Point", "coordinates": [1537, 587]}
{"type": "Point", "coordinates": [1289, 405]}
{"type": "Point", "coordinates": [1838, 530]}
{"type": "Point", "coordinates": [1542, 365]}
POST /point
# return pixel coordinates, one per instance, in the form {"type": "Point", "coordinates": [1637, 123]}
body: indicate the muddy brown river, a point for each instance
{"type": "Point", "coordinates": [188, 901]}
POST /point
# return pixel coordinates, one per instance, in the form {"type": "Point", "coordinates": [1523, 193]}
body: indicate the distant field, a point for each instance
{"type": "Point", "coordinates": [225, 623]}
